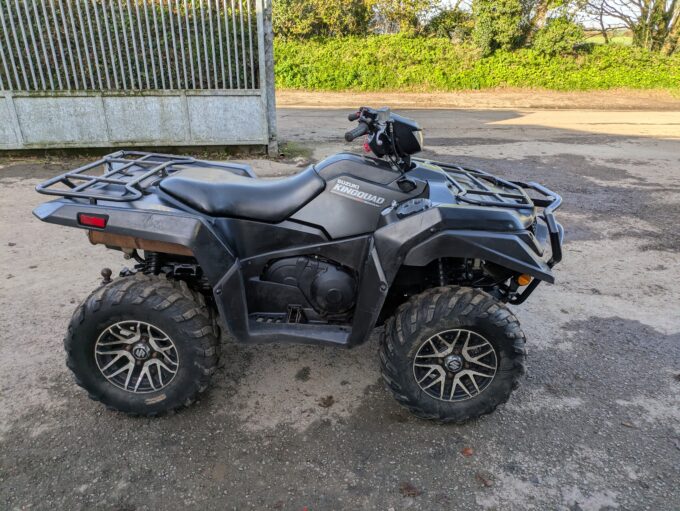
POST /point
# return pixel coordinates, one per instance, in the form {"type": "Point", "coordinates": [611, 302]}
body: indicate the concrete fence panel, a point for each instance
{"type": "Point", "coordinates": [85, 73]}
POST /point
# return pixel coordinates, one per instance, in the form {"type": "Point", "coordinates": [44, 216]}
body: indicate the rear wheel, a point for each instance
{"type": "Point", "coordinates": [143, 345]}
{"type": "Point", "coordinates": [452, 354]}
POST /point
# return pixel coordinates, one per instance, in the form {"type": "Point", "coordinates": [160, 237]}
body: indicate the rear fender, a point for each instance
{"type": "Point", "coordinates": [168, 226]}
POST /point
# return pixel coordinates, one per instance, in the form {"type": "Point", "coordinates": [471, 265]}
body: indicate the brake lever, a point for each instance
{"type": "Point", "coordinates": [379, 132]}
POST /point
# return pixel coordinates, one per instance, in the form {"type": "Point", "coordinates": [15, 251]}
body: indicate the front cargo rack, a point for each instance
{"type": "Point", "coordinates": [124, 176]}
{"type": "Point", "coordinates": [508, 194]}
{"type": "Point", "coordinates": [473, 187]}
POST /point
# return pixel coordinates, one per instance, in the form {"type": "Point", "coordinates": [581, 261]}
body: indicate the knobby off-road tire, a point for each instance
{"type": "Point", "coordinates": [440, 314]}
{"type": "Point", "coordinates": [172, 315]}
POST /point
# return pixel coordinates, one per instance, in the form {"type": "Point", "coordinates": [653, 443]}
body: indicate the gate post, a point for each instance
{"type": "Point", "coordinates": [267, 85]}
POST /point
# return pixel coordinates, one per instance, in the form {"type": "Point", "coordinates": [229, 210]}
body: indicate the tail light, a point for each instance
{"type": "Point", "coordinates": [96, 221]}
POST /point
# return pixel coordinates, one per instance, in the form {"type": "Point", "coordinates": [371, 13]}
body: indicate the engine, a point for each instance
{"type": "Point", "coordinates": [328, 287]}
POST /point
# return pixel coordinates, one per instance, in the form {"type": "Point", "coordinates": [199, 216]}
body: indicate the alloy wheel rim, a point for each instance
{"type": "Point", "coordinates": [136, 356]}
{"type": "Point", "coordinates": [455, 365]}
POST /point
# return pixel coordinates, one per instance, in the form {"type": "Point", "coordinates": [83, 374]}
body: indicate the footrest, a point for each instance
{"type": "Point", "coordinates": [269, 317]}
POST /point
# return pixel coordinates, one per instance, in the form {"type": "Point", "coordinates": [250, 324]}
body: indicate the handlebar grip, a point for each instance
{"type": "Point", "coordinates": [354, 116]}
{"type": "Point", "coordinates": [362, 129]}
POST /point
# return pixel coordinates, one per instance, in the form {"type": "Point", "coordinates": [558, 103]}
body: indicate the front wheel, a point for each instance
{"type": "Point", "coordinates": [452, 354]}
{"type": "Point", "coordinates": [143, 345]}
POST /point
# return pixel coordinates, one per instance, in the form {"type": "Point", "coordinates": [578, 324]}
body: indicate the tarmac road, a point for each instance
{"type": "Point", "coordinates": [595, 425]}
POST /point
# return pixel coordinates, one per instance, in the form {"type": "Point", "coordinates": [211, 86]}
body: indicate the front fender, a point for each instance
{"type": "Point", "coordinates": [505, 249]}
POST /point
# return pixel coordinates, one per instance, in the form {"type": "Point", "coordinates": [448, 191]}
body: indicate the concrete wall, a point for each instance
{"type": "Point", "coordinates": [236, 110]}
{"type": "Point", "coordinates": [30, 120]}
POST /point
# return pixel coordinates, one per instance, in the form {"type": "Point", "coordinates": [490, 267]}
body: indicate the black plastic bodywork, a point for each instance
{"type": "Point", "coordinates": [363, 221]}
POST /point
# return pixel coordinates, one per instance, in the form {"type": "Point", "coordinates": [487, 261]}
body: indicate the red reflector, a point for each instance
{"type": "Point", "coordinates": [93, 220]}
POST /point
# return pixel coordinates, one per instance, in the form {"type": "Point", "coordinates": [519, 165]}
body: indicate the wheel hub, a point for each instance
{"type": "Point", "coordinates": [141, 351]}
{"type": "Point", "coordinates": [453, 363]}
{"type": "Point", "coordinates": [136, 356]}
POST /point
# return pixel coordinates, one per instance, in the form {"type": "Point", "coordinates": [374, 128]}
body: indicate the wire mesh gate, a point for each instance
{"type": "Point", "coordinates": [66, 49]}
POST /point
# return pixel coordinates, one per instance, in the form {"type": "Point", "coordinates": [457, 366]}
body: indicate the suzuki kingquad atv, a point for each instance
{"type": "Point", "coordinates": [432, 251]}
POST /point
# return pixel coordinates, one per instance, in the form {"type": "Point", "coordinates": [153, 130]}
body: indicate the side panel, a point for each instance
{"type": "Point", "coordinates": [350, 164]}
{"type": "Point", "coordinates": [232, 293]}
{"type": "Point", "coordinates": [351, 206]}
{"type": "Point", "coordinates": [249, 238]}
{"type": "Point", "coordinates": [372, 293]}
{"type": "Point", "coordinates": [265, 296]}
{"type": "Point", "coordinates": [349, 252]}
{"type": "Point", "coordinates": [357, 190]}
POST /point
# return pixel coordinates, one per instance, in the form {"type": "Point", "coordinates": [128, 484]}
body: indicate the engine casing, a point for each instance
{"type": "Point", "coordinates": [328, 287]}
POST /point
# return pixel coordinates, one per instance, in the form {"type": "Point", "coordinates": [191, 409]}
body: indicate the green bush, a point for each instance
{"type": "Point", "coordinates": [313, 18]}
{"type": "Point", "coordinates": [456, 24]}
{"type": "Point", "coordinates": [403, 16]}
{"type": "Point", "coordinates": [398, 62]}
{"type": "Point", "coordinates": [499, 24]}
{"type": "Point", "coordinates": [559, 36]}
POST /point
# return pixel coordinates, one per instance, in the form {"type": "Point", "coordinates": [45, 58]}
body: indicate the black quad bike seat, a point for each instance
{"type": "Point", "coordinates": [217, 192]}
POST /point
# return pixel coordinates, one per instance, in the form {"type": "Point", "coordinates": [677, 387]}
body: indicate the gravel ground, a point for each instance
{"type": "Point", "coordinates": [595, 424]}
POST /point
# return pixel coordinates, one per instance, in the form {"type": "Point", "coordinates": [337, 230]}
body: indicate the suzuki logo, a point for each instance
{"type": "Point", "coordinates": [353, 191]}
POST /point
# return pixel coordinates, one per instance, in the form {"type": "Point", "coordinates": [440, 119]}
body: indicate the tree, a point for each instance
{"type": "Point", "coordinates": [655, 24]}
{"type": "Point", "coordinates": [539, 12]}
{"type": "Point", "coordinates": [347, 17]}
{"type": "Point", "coordinates": [499, 24]}
{"type": "Point", "coordinates": [455, 23]}
{"type": "Point", "coordinates": [558, 36]}
{"type": "Point", "coordinates": [673, 40]}
{"type": "Point", "coordinates": [293, 19]}
{"type": "Point", "coordinates": [325, 18]}
{"type": "Point", "coordinates": [401, 15]}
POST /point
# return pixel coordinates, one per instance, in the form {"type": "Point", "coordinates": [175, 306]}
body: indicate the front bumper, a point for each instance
{"type": "Point", "coordinates": [550, 202]}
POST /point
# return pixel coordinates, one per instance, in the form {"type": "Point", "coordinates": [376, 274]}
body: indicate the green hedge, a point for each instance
{"type": "Point", "coordinates": [398, 62]}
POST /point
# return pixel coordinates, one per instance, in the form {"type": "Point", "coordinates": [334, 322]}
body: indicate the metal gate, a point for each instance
{"type": "Point", "coordinates": [79, 73]}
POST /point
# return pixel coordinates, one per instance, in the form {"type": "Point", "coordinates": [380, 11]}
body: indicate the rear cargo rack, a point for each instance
{"type": "Point", "coordinates": [123, 176]}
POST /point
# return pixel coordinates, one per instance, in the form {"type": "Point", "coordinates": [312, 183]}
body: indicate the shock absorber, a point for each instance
{"type": "Point", "coordinates": [442, 275]}
{"type": "Point", "coordinates": [153, 263]}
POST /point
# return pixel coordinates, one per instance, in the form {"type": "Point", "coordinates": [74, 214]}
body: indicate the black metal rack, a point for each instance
{"type": "Point", "coordinates": [471, 187]}
{"type": "Point", "coordinates": [122, 176]}
{"type": "Point", "coordinates": [470, 182]}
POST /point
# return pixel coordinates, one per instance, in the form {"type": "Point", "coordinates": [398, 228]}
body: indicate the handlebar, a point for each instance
{"type": "Point", "coordinates": [361, 129]}
{"type": "Point", "coordinates": [354, 116]}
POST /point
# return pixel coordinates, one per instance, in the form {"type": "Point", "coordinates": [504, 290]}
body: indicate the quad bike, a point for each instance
{"type": "Point", "coordinates": [432, 251]}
